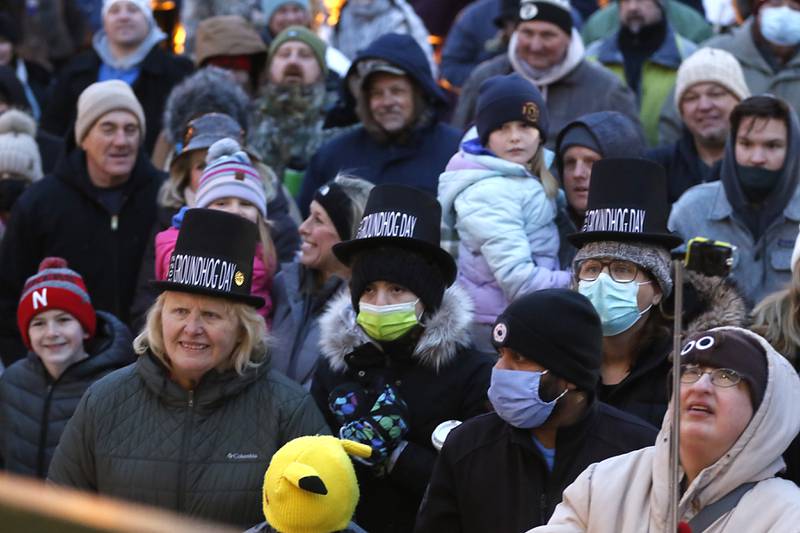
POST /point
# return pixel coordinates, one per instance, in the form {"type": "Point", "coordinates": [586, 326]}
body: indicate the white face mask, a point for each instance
{"type": "Point", "coordinates": [780, 25]}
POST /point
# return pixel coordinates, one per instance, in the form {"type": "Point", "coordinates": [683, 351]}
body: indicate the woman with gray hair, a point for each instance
{"type": "Point", "coordinates": [193, 424]}
{"type": "Point", "coordinates": [303, 288]}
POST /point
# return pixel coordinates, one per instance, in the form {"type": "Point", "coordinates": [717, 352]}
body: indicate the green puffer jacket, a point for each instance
{"type": "Point", "coordinates": [137, 435]}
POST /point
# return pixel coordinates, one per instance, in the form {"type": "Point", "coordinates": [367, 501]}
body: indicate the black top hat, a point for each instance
{"type": "Point", "coordinates": [627, 202]}
{"type": "Point", "coordinates": [399, 216]}
{"type": "Point", "coordinates": [213, 257]}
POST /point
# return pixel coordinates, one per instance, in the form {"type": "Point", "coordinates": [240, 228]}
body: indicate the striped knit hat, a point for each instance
{"type": "Point", "coordinates": [55, 287]}
{"type": "Point", "coordinates": [230, 173]}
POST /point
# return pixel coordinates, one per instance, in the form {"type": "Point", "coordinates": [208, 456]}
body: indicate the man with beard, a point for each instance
{"type": "Point", "coordinates": [645, 53]}
{"type": "Point", "coordinates": [709, 85]}
{"type": "Point", "coordinates": [401, 138]}
{"type": "Point", "coordinates": [290, 107]}
{"type": "Point", "coordinates": [94, 210]}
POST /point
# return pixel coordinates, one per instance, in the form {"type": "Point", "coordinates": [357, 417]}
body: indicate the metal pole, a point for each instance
{"type": "Point", "coordinates": [674, 463]}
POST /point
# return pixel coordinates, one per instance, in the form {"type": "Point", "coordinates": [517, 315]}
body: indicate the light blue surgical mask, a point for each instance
{"type": "Point", "coordinates": [514, 394]}
{"type": "Point", "coordinates": [615, 302]}
{"type": "Point", "coordinates": [780, 25]}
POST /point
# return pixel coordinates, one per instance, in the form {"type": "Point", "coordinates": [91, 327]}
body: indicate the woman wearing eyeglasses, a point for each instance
{"type": "Point", "coordinates": [738, 400]}
{"type": "Point", "coordinates": [623, 267]}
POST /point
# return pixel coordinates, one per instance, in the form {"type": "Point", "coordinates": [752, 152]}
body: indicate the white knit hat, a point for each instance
{"type": "Point", "coordinates": [143, 5]}
{"type": "Point", "coordinates": [711, 65]}
{"type": "Point", "coordinates": [795, 253]}
{"type": "Point", "coordinates": [19, 153]}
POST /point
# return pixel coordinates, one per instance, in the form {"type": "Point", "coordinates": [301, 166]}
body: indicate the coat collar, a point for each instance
{"type": "Point", "coordinates": [446, 331]}
{"type": "Point", "coordinates": [669, 54]}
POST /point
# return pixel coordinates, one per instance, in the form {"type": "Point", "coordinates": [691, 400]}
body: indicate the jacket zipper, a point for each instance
{"type": "Point", "coordinates": [187, 429]}
{"type": "Point", "coordinates": [43, 433]}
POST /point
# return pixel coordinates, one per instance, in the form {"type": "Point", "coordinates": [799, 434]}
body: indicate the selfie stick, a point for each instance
{"type": "Point", "coordinates": [674, 450]}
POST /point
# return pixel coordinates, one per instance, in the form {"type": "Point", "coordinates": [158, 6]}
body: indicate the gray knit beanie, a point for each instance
{"type": "Point", "coordinates": [653, 258]}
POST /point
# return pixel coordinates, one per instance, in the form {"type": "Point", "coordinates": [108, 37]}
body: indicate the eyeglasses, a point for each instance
{"type": "Point", "coordinates": [720, 377]}
{"type": "Point", "coordinates": [619, 270]}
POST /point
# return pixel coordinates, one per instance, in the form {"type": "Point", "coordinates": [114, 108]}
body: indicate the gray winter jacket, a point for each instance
{"type": "Point", "coordinates": [295, 321]}
{"type": "Point", "coordinates": [137, 435]}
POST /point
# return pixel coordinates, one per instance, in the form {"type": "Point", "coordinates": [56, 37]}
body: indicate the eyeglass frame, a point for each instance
{"type": "Point", "coordinates": [711, 373]}
{"type": "Point", "coordinates": [606, 265]}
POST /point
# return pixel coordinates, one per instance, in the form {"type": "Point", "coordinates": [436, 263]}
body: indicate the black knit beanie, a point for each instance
{"type": "Point", "coordinates": [726, 348]}
{"type": "Point", "coordinates": [535, 326]}
{"type": "Point", "coordinates": [413, 271]}
{"type": "Point", "coordinates": [508, 98]}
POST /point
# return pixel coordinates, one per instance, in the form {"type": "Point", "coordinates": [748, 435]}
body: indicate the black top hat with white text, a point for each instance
{"type": "Point", "coordinates": [404, 217]}
{"type": "Point", "coordinates": [213, 257]}
{"type": "Point", "coordinates": [627, 202]}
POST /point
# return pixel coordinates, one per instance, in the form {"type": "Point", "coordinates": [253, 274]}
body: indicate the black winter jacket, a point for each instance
{"type": "Point", "coordinates": [62, 215]}
{"type": "Point", "coordinates": [439, 378]}
{"type": "Point", "coordinates": [684, 167]}
{"type": "Point", "coordinates": [137, 435]}
{"type": "Point", "coordinates": [491, 476]}
{"type": "Point", "coordinates": [34, 408]}
{"type": "Point", "coordinates": [160, 72]}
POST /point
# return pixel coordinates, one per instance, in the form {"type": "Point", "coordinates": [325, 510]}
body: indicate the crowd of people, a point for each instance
{"type": "Point", "coordinates": [405, 265]}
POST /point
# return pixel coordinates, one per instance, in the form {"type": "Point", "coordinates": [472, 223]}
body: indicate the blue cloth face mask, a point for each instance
{"type": "Point", "coordinates": [780, 25]}
{"type": "Point", "coordinates": [515, 397]}
{"type": "Point", "coordinates": [615, 302]}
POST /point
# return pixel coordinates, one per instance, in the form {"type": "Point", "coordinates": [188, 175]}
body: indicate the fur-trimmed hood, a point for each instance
{"type": "Point", "coordinates": [712, 302]}
{"type": "Point", "coordinates": [446, 331]}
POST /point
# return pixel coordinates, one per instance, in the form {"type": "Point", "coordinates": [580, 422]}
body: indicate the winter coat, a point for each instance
{"type": "Point", "coordinates": [415, 160]}
{"type": "Point", "coordinates": [686, 21]}
{"type": "Point", "coordinates": [298, 305]}
{"type": "Point", "coordinates": [509, 241]}
{"type": "Point", "coordinates": [719, 211]}
{"type": "Point", "coordinates": [630, 493]}
{"type": "Point", "coordinates": [471, 41]}
{"type": "Point", "coordinates": [491, 476]}
{"type": "Point", "coordinates": [261, 282]}
{"type": "Point", "coordinates": [63, 215]}
{"type": "Point", "coordinates": [683, 165]}
{"type": "Point", "coordinates": [160, 71]}
{"type": "Point", "coordinates": [137, 435]}
{"type": "Point", "coordinates": [440, 378]}
{"type": "Point", "coordinates": [34, 408]}
{"type": "Point", "coordinates": [586, 88]}
{"type": "Point", "coordinates": [657, 78]}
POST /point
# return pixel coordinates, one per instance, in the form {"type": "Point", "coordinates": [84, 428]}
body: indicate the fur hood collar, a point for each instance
{"type": "Point", "coordinates": [446, 331]}
{"type": "Point", "coordinates": [711, 302]}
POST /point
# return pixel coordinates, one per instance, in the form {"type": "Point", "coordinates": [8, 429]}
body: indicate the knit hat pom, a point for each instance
{"type": "Point", "coordinates": [53, 262]}
{"type": "Point", "coordinates": [226, 148]}
{"type": "Point", "coordinates": [15, 121]}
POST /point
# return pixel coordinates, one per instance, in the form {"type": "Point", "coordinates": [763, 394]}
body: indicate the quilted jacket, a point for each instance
{"type": "Point", "coordinates": [137, 435]}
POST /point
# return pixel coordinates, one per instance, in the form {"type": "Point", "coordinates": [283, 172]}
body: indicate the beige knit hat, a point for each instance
{"type": "Point", "coordinates": [19, 153]}
{"type": "Point", "coordinates": [710, 65]}
{"type": "Point", "coordinates": [101, 98]}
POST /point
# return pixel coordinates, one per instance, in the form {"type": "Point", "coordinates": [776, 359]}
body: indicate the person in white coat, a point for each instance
{"type": "Point", "coordinates": [738, 412]}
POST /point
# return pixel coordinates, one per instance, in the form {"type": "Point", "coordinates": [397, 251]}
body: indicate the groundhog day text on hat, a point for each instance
{"type": "Point", "coordinates": [615, 219]}
{"type": "Point", "coordinates": [387, 224]}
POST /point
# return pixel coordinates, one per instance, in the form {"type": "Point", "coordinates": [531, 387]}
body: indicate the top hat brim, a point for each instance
{"type": "Point", "coordinates": [666, 240]}
{"type": "Point", "coordinates": [249, 299]}
{"type": "Point", "coordinates": [347, 250]}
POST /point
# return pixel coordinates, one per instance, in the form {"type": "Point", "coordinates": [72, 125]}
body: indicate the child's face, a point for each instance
{"type": "Point", "coordinates": [237, 206]}
{"type": "Point", "coordinates": [515, 141]}
{"type": "Point", "coordinates": [57, 338]}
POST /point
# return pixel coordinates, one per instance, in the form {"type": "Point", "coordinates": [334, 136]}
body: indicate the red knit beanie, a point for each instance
{"type": "Point", "coordinates": [55, 287]}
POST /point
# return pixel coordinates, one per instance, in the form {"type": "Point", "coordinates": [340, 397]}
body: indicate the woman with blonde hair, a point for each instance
{"type": "Point", "coordinates": [193, 424]}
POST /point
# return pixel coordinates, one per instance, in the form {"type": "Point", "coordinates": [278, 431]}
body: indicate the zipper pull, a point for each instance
{"type": "Point", "coordinates": [114, 222]}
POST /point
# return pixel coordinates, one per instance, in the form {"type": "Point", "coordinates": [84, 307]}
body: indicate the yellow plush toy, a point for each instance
{"type": "Point", "coordinates": [310, 485]}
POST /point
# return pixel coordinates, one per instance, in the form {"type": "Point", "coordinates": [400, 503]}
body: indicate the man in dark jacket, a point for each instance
{"type": "Point", "coordinates": [708, 86]}
{"type": "Point", "coordinates": [505, 471]}
{"type": "Point", "coordinates": [126, 49]}
{"type": "Point", "coordinates": [94, 210]}
{"type": "Point", "coordinates": [401, 138]}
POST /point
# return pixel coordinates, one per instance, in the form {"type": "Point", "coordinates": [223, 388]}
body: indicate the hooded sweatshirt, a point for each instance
{"type": "Point", "coordinates": [630, 493]}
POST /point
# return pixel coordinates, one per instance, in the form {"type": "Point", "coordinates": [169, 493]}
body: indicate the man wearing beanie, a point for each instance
{"type": "Point", "coordinates": [291, 104]}
{"type": "Point", "coordinates": [126, 49]}
{"type": "Point", "coordinates": [94, 210]}
{"type": "Point", "coordinates": [709, 85]}
{"type": "Point", "coordinates": [645, 53]}
{"type": "Point", "coordinates": [570, 84]}
{"type": "Point", "coordinates": [504, 471]}
{"type": "Point", "coordinates": [755, 205]}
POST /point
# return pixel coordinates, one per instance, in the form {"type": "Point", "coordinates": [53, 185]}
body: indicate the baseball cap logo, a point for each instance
{"type": "Point", "coordinates": [528, 10]}
{"type": "Point", "coordinates": [500, 332]}
{"type": "Point", "coordinates": [703, 343]}
{"type": "Point", "coordinates": [530, 111]}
